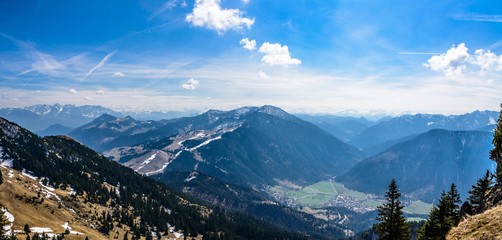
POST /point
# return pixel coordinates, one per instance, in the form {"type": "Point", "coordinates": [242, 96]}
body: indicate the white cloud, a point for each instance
{"type": "Point", "coordinates": [480, 18]}
{"type": "Point", "coordinates": [99, 65]}
{"type": "Point", "coordinates": [72, 91]}
{"type": "Point", "coordinates": [457, 60]}
{"type": "Point", "coordinates": [452, 63]}
{"type": "Point", "coordinates": [191, 84]}
{"type": "Point", "coordinates": [100, 92]}
{"type": "Point", "coordinates": [209, 14]}
{"type": "Point", "coordinates": [261, 74]}
{"type": "Point", "coordinates": [245, 1]}
{"type": "Point", "coordinates": [248, 44]}
{"type": "Point", "coordinates": [118, 74]}
{"type": "Point", "coordinates": [88, 98]}
{"type": "Point", "coordinates": [486, 60]}
{"type": "Point", "coordinates": [275, 54]}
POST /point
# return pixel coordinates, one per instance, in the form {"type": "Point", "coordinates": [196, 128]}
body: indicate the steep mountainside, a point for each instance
{"type": "Point", "coordinates": [39, 117]}
{"type": "Point", "coordinates": [248, 146]}
{"type": "Point", "coordinates": [407, 125]}
{"type": "Point", "coordinates": [139, 204]}
{"type": "Point", "coordinates": [426, 164]}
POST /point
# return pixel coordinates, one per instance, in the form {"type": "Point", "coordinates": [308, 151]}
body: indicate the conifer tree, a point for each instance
{"type": "Point", "coordinates": [496, 152]}
{"type": "Point", "coordinates": [392, 224]}
{"type": "Point", "coordinates": [1, 178]}
{"type": "Point", "coordinates": [442, 217]}
{"type": "Point", "coordinates": [453, 205]}
{"type": "Point", "coordinates": [3, 222]}
{"type": "Point", "coordinates": [478, 192]}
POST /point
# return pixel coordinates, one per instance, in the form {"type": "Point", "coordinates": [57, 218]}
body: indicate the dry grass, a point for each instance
{"type": "Point", "coordinates": [487, 225]}
{"type": "Point", "coordinates": [20, 196]}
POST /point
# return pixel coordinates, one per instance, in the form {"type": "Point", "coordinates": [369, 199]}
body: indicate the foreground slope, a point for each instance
{"type": "Point", "coordinates": [139, 203]}
{"type": "Point", "coordinates": [487, 225]}
{"type": "Point", "coordinates": [426, 164]}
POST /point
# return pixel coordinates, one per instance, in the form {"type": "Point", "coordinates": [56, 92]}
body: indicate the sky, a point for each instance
{"type": "Point", "coordinates": [345, 57]}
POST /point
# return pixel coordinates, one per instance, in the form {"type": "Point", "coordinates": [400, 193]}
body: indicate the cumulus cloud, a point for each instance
{"type": "Point", "coordinates": [72, 91]}
{"type": "Point", "coordinates": [275, 54]}
{"type": "Point", "coordinates": [457, 60]}
{"type": "Point", "coordinates": [245, 1]}
{"type": "Point", "coordinates": [209, 14]}
{"type": "Point", "coordinates": [453, 62]}
{"type": "Point", "coordinates": [261, 74]}
{"type": "Point", "coordinates": [100, 92]}
{"type": "Point", "coordinates": [118, 74]}
{"type": "Point", "coordinates": [248, 44]}
{"type": "Point", "coordinates": [486, 60]}
{"type": "Point", "coordinates": [191, 84]}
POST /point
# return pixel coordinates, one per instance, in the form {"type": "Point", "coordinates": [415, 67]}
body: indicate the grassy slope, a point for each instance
{"type": "Point", "coordinates": [487, 225]}
{"type": "Point", "coordinates": [18, 194]}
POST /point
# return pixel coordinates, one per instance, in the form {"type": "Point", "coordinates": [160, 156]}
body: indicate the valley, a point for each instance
{"type": "Point", "coordinates": [326, 194]}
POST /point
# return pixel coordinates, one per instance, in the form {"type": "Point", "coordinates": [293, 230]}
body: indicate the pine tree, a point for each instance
{"type": "Point", "coordinates": [1, 178]}
{"type": "Point", "coordinates": [3, 222]}
{"type": "Point", "coordinates": [27, 228]}
{"type": "Point", "coordinates": [392, 224]}
{"type": "Point", "coordinates": [453, 205]}
{"type": "Point", "coordinates": [478, 192]}
{"type": "Point", "coordinates": [496, 152]}
{"type": "Point", "coordinates": [442, 217]}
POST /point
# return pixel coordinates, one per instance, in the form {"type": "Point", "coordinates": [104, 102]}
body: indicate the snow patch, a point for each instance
{"type": "Point", "coordinates": [147, 161]}
{"type": "Point", "coordinates": [430, 123]}
{"type": "Point", "coordinates": [492, 121]}
{"type": "Point", "coordinates": [40, 230]}
{"type": "Point", "coordinates": [28, 174]}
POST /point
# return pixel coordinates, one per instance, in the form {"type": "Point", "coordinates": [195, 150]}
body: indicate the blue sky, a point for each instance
{"type": "Point", "coordinates": [341, 57]}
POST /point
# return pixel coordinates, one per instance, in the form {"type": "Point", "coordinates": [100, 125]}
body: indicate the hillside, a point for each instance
{"type": "Point", "coordinates": [140, 203]}
{"type": "Point", "coordinates": [46, 209]}
{"type": "Point", "coordinates": [426, 164]}
{"type": "Point", "coordinates": [487, 225]}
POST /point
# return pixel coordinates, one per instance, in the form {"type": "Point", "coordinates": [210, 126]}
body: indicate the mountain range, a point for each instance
{"type": "Point", "coordinates": [249, 146]}
{"type": "Point", "coordinates": [122, 200]}
{"type": "Point", "coordinates": [229, 159]}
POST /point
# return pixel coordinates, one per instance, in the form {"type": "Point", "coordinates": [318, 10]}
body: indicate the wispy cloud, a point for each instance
{"type": "Point", "coordinates": [418, 53]}
{"type": "Point", "coordinates": [166, 6]}
{"type": "Point", "coordinates": [99, 65]}
{"type": "Point", "coordinates": [479, 18]}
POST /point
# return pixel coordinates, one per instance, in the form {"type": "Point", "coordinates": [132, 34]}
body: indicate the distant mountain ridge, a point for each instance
{"type": "Point", "coordinates": [407, 125]}
{"type": "Point", "coordinates": [39, 117]}
{"type": "Point", "coordinates": [426, 164]}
